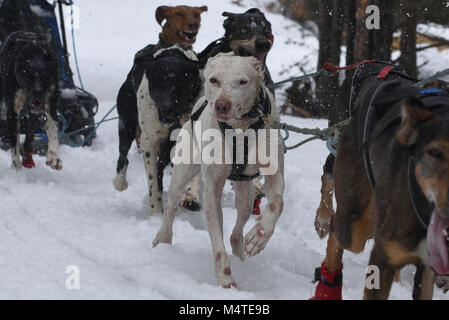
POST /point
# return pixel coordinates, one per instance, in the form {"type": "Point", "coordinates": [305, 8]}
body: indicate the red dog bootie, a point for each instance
{"type": "Point", "coordinates": [329, 283]}
{"type": "Point", "coordinates": [27, 160]}
{"type": "Point", "coordinates": [256, 207]}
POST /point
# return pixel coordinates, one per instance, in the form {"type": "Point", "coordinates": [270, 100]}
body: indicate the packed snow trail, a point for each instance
{"type": "Point", "coordinates": [51, 220]}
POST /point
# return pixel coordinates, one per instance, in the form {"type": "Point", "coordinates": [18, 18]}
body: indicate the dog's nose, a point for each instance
{"type": "Point", "coordinates": [222, 106]}
{"type": "Point", "coordinates": [262, 45]}
{"type": "Point", "coordinates": [193, 25]}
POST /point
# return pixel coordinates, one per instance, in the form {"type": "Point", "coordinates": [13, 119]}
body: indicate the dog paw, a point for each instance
{"type": "Point", "coordinates": [53, 161]}
{"type": "Point", "coordinates": [226, 281]}
{"type": "Point", "coordinates": [27, 160]}
{"type": "Point", "coordinates": [191, 204]}
{"type": "Point", "coordinates": [163, 236]}
{"type": "Point", "coordinates": [323, 221]}
{"type": "Point", "coordinates": [120, 183]}
{"type": "Point", "coordinates": [256, 239]}
{"type": "Point", "coordinates": [238, 248]}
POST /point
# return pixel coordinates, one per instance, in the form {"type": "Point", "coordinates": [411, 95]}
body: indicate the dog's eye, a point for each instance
{"type": "Point", "coordinates": [180, 14]}
{"type": "Point", "coordinates": [244, 30]}
{"type": "Point", "coordinates": [435, 153]}
{"type": "Point", "coordinates": [213, 80]}
{"type": "Point", "coordinates": [243, 82]}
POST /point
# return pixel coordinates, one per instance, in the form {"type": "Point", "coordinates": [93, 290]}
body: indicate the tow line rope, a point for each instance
{"type": "Point", "coordinates": [331, 134]}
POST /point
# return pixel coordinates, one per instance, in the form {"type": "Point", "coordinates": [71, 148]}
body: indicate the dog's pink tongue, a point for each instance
{"type": "Point", "coordinates": [436, 243]}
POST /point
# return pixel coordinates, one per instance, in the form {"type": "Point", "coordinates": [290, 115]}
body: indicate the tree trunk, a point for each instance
{"type": "Point", "coordinates": [409, 21]}
{"type": "Point", "coordinates": [330, 38]}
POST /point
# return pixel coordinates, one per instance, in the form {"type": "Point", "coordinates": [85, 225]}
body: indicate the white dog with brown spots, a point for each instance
{"type": "Point", "coordinates": [233, 88]}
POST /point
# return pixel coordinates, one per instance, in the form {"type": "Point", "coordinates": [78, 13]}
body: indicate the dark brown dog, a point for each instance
{"type": "Point", "coordinates": [181, 26]}
{"type": "Point", "coordinates": [416, 140]}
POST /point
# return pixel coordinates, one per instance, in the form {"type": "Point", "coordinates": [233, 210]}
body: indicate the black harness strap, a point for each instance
{"type": "Point", "coordinates": [422, 207]}
{"type": "Point", "coordinates": [261, 111]}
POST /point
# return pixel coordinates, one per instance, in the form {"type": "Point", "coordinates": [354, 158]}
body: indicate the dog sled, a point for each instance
{"type": "Point", "coordinates": [77, 107]}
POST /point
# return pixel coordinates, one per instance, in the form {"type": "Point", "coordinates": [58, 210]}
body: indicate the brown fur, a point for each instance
{"type": "Point", "coordinates": [179, 19]}
{"type": "Point", "coordinates": [387, 212]}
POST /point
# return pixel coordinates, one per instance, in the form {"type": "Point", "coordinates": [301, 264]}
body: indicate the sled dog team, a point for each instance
{"type": "Point", "coordinates": [390, 175]}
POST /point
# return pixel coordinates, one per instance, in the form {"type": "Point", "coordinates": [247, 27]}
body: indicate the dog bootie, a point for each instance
{"type": "Point", "coordinates": [27, 160]}
{"type": "Point", "coordinates": [329, 283]}
{"type": "Point", "coordinates": [256, 207]}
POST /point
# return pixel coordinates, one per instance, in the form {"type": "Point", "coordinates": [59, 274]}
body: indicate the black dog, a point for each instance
{"type": "Point", "coordinates": [247, 34]}
{"type": "Point", "coordinates": [165, 83]}
{"type": "Point", "coordinates": [29, 77]}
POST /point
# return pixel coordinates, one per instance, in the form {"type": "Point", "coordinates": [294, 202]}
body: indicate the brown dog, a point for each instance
{"type": "Point", "coordinates": [181, 26]}
{"type": "Point", "coordinates": [405, 188]}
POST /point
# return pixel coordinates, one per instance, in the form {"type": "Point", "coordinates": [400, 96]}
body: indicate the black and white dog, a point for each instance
{"type": "Point", "coordinates": [29, 77]}
{"type": "Point", "coordinates": [158, 96]}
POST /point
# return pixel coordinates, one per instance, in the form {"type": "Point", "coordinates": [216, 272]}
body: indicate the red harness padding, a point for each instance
{"type": "Point", "coordinates": [27, 160]}
{"type": "Point", "coordinates": [385, 72]}
{"type": "Point", "coordinates": [332, 68]}
{"type": "Point", "coordinates": [329, 284]}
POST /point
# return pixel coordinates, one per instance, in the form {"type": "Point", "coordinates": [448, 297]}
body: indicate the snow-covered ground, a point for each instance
{"type": "Point", "coordinates": [51, 220]}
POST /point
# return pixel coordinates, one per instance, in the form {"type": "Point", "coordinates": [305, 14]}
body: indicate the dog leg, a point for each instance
{"type": "Point", "coordinates": [149, 146]}
{"type": "Point", "coordinates": [244, 192]}
{"type": "Point", "coordinates": [152, 134]}
{"type": "Point", "coordinates": [51, 127]}
{"type": "Point", "coordinates": [326, 210]}
{"type": "Point", "coordinates": [424, 283]}
{"type": "Point", "coordinates": [191, 197]}
{"type": "Point", "coordinates": [387, 272]}
{"type": "Point", "coordinates": [257, 238]}
{"type": "Point", "coordinates": [329, 278]}
{"type": "Point", "coordinates": [27, 152]}
{"type": "Point", "coordinates": [182, 174]}
{"type": "Point", "coordinates": [214, 180]}
{"type": "Point", "coordinates": [15, 105]}
{"type": "Point", "coordinates": [126, 136]}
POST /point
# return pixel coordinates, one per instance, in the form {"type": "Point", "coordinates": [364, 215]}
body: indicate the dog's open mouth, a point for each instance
{"type": "Point", "coordinates": [438, 241]}
{"type": "Point", "coordinates": [36, 107]}
{"type": "Point", "coordinates": [188, 36]}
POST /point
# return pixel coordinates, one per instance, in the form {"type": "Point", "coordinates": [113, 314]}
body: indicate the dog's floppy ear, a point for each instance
{"type": "Point", "coordinates": [202, 9]}
{"type": "Point", "coordinates": [228, 14]}
{"type": "Point", "coordinates": [413, 115]}
{"type": "Point", "coordinates": [162, 13]}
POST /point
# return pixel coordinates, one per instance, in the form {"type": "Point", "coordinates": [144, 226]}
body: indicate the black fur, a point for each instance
{"type": "Point", "coordinates": [251, 24]}
{"type": "Point", "coordinates": [28, 63]}
{"type": "Point", "coordinates": [174, 85]}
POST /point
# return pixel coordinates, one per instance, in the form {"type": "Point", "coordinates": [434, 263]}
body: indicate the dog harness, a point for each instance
{"type": "Point", "coordinates": [152, 53]}
{"type": "Point", "coordinates": [379, 109]}
{"type": "Point", "coordinates": [260, 111]}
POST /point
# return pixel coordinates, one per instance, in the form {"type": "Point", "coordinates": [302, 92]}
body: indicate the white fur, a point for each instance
{"type": "Point", "coordinates": [229, 70]}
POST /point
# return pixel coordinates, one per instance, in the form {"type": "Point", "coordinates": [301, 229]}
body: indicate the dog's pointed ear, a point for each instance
{"type": "Point", "coordinates": [202, 9]}
{"type": "Point", "coordinates": [253, 10]}
{"type": "Point", "coordinates": [162, 13]}
{"type": "Point", "coordinates": [413, 115]}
